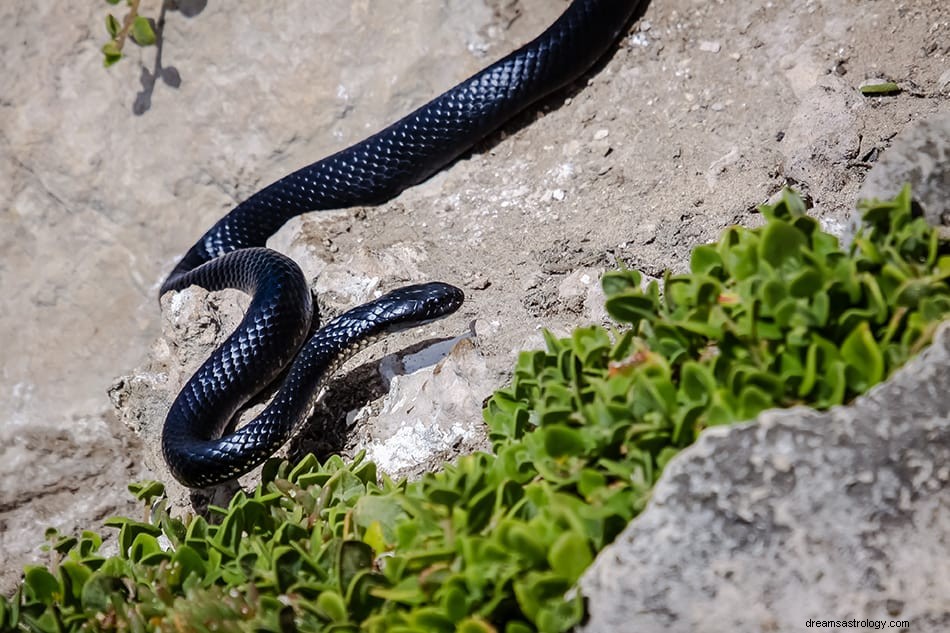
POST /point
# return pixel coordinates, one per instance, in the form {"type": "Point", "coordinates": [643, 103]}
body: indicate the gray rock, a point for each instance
{"type": "Point", "coordinates": [920, 156]}
{"type": "Point", "coordinates": [800, 515]}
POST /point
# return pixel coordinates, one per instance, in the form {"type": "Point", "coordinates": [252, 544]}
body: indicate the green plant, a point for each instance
{"type": "Point", "coordinates": [772, 316]}
{"type": "Point", "coordinates": [133, 25]}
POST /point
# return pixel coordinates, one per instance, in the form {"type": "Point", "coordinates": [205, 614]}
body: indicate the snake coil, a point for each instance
{"type": "Point", "coordinates": [231, 253]}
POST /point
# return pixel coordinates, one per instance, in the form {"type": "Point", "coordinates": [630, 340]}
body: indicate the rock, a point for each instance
{"type": "Point", "coordinates": [800, 514]}
{"type": "Point", "coordinates": [920, 155]}
{"type": "Point", "coordinates": [822, 135]}
{"type": "Point", "coordinates": [432, 412]}
{"type": "Point", "coordinates": [582, 292]}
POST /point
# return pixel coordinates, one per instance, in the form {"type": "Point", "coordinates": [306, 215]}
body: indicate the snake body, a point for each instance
{"type": "Point", "coordinates": [232, 254]}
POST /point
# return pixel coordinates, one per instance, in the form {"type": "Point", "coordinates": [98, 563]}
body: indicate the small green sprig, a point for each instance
{"type": "Point", "coordinates": [133, 26]}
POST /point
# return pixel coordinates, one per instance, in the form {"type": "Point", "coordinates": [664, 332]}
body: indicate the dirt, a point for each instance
{"type": "Point", "coordinates": [704, 111]}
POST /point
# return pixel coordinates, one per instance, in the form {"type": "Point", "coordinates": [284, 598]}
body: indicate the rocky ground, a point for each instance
{"type": "Point", "coordinates": [704, 111]}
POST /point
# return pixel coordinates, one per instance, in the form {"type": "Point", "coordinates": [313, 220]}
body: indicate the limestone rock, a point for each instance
{"type": "Point", "coordinates": [920, 155]}
{"type": "Point", "coordinates": [800, 514]}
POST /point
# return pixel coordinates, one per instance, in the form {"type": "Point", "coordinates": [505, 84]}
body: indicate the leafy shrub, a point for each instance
{"type": "Point", "coordinates": [772, 316]}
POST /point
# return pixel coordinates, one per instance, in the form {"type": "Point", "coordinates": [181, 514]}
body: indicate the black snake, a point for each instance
{"type": "Point", "coordinates": [232, 255]}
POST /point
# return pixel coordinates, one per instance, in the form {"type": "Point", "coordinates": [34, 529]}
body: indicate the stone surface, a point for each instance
{"type": "Point", "coordinates": [659, 150]}
{"type": "Point", "coordinates": [798, 515]}
{"type": "Point", "coordinates": [921, 156]}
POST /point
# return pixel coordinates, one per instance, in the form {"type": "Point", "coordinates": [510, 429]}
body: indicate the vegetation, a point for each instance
{"type": "Point", "coordinates": [139, 29]}
{"type": "Point", "coordinates": [772, 316]}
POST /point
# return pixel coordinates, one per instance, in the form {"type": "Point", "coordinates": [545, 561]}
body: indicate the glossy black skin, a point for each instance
{"type": "Point", "coordinates": [231, 253]}
{"type": "Point", "coordinates": [257, 351]}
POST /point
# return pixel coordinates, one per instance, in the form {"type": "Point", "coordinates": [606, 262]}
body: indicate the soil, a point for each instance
{"type": "Point", "coordinates": [702, 112]}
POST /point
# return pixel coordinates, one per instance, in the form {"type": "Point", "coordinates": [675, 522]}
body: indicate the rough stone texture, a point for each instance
{"type": "Point", "coordinates": [832, 516]}
{"type": "Point", "coordinates": [705, 110]}
{"type": "Point", "coordinates": [919, 156]}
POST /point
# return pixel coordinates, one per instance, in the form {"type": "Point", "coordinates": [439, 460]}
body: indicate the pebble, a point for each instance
{"type": "Point", "coordinates": [944, 82]}
{"type": "Point", "coordinates": [709, 46]}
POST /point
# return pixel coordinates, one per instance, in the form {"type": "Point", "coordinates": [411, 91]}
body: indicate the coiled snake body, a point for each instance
{"type": "Point", "coordinates": [232, 254]}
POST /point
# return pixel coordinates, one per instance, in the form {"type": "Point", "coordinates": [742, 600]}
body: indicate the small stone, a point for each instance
{"type": "Point", "coordinates": [477, 281]}
{"type": "Point", "coordinates": [894, 607]}
{"type": "Point", "coordinates": [709, 46]}
{"type": "Point", "coordinates": [781, 463]}
{"type": "Point", "coordinates": [601, 134]}
{"type": "Point", "coordinates": [943, 83]}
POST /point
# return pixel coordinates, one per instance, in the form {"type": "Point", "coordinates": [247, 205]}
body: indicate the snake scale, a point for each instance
{"type": "Point", "coordinates": [231, 254]}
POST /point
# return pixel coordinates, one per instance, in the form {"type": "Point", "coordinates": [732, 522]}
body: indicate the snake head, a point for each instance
{"type": "Point", "coordinates": [418, 304]}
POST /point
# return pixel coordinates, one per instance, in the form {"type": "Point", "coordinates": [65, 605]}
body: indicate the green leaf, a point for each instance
{"type": "Point", "coordinates": [631, 307]}
{"type": "Point", "coordinates": [40, 585]}
{"type": "Point", "coordinates": [147, 490]}
{"type": "Point", "coordinates": [781, 242]}
{"type": "Point", "coordinates": [353, 557]}
{"type": "Point", "coordinates": [185, 562]}
{"type": "Point", "coordinates": [142, 31]}
{"type": "Point", "coordinates": [696, 382]}
{"type": "Point", "coordinates": [753, 401]}
{"type": "Point", "coordinates": [359, 595]}
{"type": "Point", "coordinates": [570, 555]}
{"type": "Point", "coordinates": [835, 384]}
{"type": "Point", "coordinates": [535, 589]}
{"type": "Point", "coordinates": [73, 576]}
{"type": "Point", "coordinates": [112, 25]}
{"type": "Point", "coordinates": [98, 591]}
{"type": "Point", "coordinates": [620, 281]}
{"type": "Point", "coordinates": [705, 260]}
{"type": "Point", "coordinates": [560, 614]}
{"type": "Point", "coordinates": [560, 440]}
{"type": "Point", "coordinates": [806, 283]}
{"type": "Point", "coordinates": [473, 625]}
{"type": "Point", "coordinates": [772, 293]}
{"type": "Point", "coordinates": [143, 546]}
{"type": "Point", "coordinates": [880, 88]}
{"type": "Point", "coordinates": [332, 606]}
{"type": "Point", "coordinates": [111, 53]}
{"type": "Point", "coordinates": [864, 358]}
{"type": "Point", "coordinates": [129, 529]}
